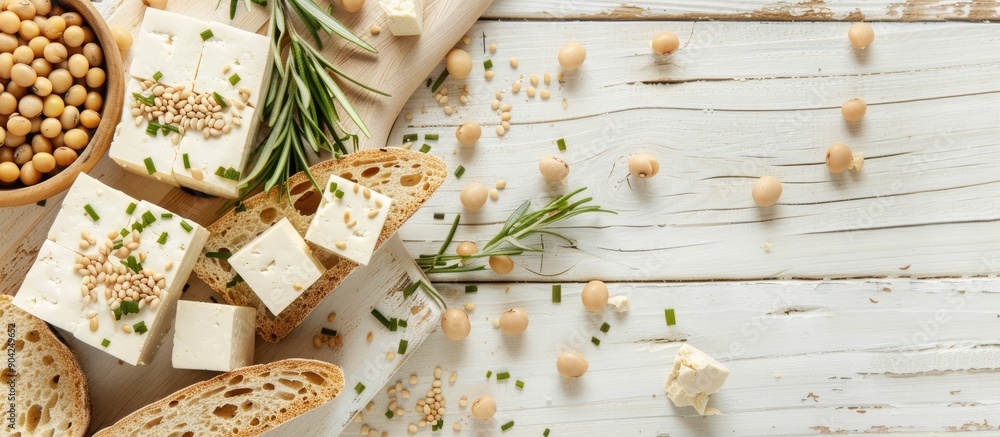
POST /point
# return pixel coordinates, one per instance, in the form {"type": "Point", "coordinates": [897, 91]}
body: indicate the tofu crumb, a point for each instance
{"type": "Point", "coordinates": [766, 247]}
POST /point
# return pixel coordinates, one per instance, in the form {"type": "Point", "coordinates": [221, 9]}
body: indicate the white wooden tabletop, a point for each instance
{"type": "Point", "coordinates": [877, 307]}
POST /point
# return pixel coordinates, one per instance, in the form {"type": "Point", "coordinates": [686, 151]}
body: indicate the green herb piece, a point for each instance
{"type": "Point", "coordinates": [393, 324]}
{"type": "Point", "coordinates": [381, 319]}
{"type": "Point", "coordinates": [561, 143]}
{"type": "Point", "coordinates": [132, 264]}
{"type": "Point", "coordinates": [187, 161]}
{"type": "Point", "coordinates": [545, 433]}
{"type": "Point", "coordinates": [118, 244]}
{"type": "Point", "coordinates": [503, 375]}
{"type": "Point", "coordinates": [130, 209]}
{"type": "Point", "coordinates": [409, 138]}
{"type": "Point", "coordinates": [431, 137]}
{"type": "Point", "coordinates": [228, 173]}
{"type": "Point", "coordinates": [671, 318]}
{"type": "Point", "coordinates": [438, 216]}
{"type": "Point", "coordinates": [339, 194]}
{"type": "Point", "coordinates": [507, 426]}
{"type": "Point", "coordinates": [220, 100]}
{"type": "Point", "coordinates": [105, 342]}
{"type": "Point", "coordinates": [145, 100]}
{"type": "Point", "coordinates": [489, 373]}
{"type": "Point", "coordinates": [471, 288]}
{"type": "Point", "coordinates": [187, 226]}
{"type": "Point", "coordinates": [91, 213]}
{"type": "Point", "coordinates": [213, 299]}
{"type": "Point", "coordinates": [440, 423]}
{"type": "Point", "coordinates": [389, 414]}
{"type": "Point", "coordinates": [595, 340]}
{"type": "Point", "coordinates": [359, 388]}
{"type": "Point", "coordinates": [519, 384]}
{"type": "Point", "coordinates": [402, 323]}
{"type": "Point", "coordinates": [153, 128]}
{"type": "Point", "coordinates": [140, 328]}
{"type": "Point", "coordinates": [207, 34]}
{"type": "Point", "coordinates": [129, 307]}
{"type": "Point", "coordinates": [439, 81]}
{"type": "Point", "coordinates": [166, 215]}
{"type": "Point", "coordinates": [170, 128]}
{"type": "Point", "coordinates": [148, 218]}
{"type": "Point", "coordinates": [240, 207]}
{"type": "Point", "coordinates": [556, 293]}
{"type": "Point", "coordinates": [118, 313]}
{"type": "Point", "coordinates": [459, 172]}
{"type": "Point", "coordinates": [157, 76]}
{"type": "Point", "coordinates": [410, 289]}
{"type": "Point", "coordinates": [605, 327]}
{"type": "Point", "coordinates": [488, 64]}
{"type": "Point", "coordinates": [425, 148]}
{"type": "Point", "coordinates": [150, 168]}
{"type": "Point", "coordinates": [162, 239]}
{"type": "Point", "coordinates": [234, 282]}
{"type": "Point", "coordinates": [218, 255]}
{"type": "Point", "coordinates": [137, 227]}
{"type": "Point", "coordinates": [402, 347]}
{"type": "Point", "coordinates": [40, 202]}
{"type": "Point", "coordinates": [329, 332]}
{"type": "Point", "coordinates": [234, 79]}
{"type": "Point", "coordinates": [333, 188]}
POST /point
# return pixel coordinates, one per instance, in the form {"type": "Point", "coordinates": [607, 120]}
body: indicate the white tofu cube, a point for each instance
{"type": "Point", "coordinates": [110, 206]}
{"type": "Point", "coordinates": [694, 377]}
{"type": "Point", "coordinates": [349, 225]}
{"type": "Point", "coordinates": [404, 17]}
{"type": "Point", "coordinates": [176, 256]}
{"type": "Point", "coordinates": [51, 289]}
{"type": "Point", "coordinates": [213, 337]}
{"type": "Point", "coordinates": [168, 43]}
{"type": "Point", "coordinates": [206, 155]}
{"type": "Point", "coordinates": [278, 265]}
{"type": "Point", "coordinates": [132, 146]}
{"type": "Point", "coordinates": [231, 51]}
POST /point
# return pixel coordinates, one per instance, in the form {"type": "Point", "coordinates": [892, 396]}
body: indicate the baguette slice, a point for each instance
{"type": "Point", "coordinates": [244, 402]}
{"type": "Point", "coordinates": [50, 387]}
{"type": "Point", "coordinates": [408, 177]}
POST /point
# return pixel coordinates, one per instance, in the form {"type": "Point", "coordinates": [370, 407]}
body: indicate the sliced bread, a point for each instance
{"type": "Point", "coordinates": [48, 385]}
{"type": "Point", "coordinates": [244, 402]}
{"type": "Point", "coordinates": [408, 177]}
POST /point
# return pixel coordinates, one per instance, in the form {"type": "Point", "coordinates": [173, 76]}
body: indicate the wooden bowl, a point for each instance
{"type": "Point", "coordinates": [111, 113]}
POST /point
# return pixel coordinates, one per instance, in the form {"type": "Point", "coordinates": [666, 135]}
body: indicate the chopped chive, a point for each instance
{"type": "Point", "coordinates": [130, 209]}
{"type": "Point", "coordinates": [162, 239]}
{"type": "Point", "coordinates": [605, 327]}
{"type": "Point", "coordinates": [146, 100]}
{"type": "Point", "coordinates": [152, 128]}
{"type": "Point", "coordinates": [503, 375]}
{"type": "Point", "coordinates": [40, 202]}
{"type": "Point", "coordinates": [409, 138]}
{"type": "Point", "coordinates": [545, 433]}
{"type": "Point", "coordinates": [137, 227]}
{"type": "Point", "coordinates": [595, 340]}
{"type": "Point", "coordinates": [105, 342]}
{"type": "Point", "coordinates": [329, 332]}
{"type": "Point", "coordinates": [519, 384]}
{"type": "Point", "coordinates": [118, 314]}
{"type": "Point", "coordinates": [393, 324]}
{"type": "Point", "coordinates": [333, 187]}
{"type": "Point", "coordinates": [132, 265]}
{"type": "Point", "coordinates": [438, 216]}
{"type": "Point", "coordinates": [425, 148]}
{"type": "Point", "coordinates": [171, 128]}
{"type": "Point", "coordinates": [218, 255]}
{"type": "Point", "coordinates": [157, 76]}
{"type": "Point", "coordinates": [389, 414]}
{"type": "Point", "coordinates": [471, 288]}
{"type": "Point", "coordinates": [129, 307]}
{"type": "Point", "coordinates": [140, 328]}
{"type": "Point", "coordinates": [359, 388]}
{"type": "Point", "coordinates": [431, 137]}
{"type": "Point", "coordinates": [561, 143]}
{"type": "Point", "coordinates": [439, 81]}
{"type": "Point", "coordinates": [234, 79]}
{"type": "Point", "coordinates": [187, 162]}
{"type": "Point", "coordinates": [381, 319]}
{"type": "Point", "coordinates": [228, 173]}
{"type": "Point", "coordinates": [240, 207]}
{"type": "Point", "coordinates": [488, 64]}
{"type": "Point", "coordinates": [429, 81]}
{"type": "Point", "coordinates": [166, 215]}
{"type": "Point", "coordinates": [234, 282]}
{"type": "Point", "coordinates": [187, 226]}
{"type": "Point", "coordinates": [556, 293]}
{"type": "Point", "coordinates": [459, 172]}
{"type": "Point", "coordinates": [410, 289]}
{"type": "Point", "coordinates": [150, 168]}
{"type": "Point", "coordinates": [402, 323]}
{"type": "Point", "coordinates": [671, 318]}
{"type": "Point", "coordinates": [117, 244]}
{"type": "Point", "coordinates": [402, 347]}
{"type": "Point", "coordinates": [90, 212]}
{"type": "Point", "coordinates": [148, 218]}
{"type": "Point", "coordinates": [440, 423]}
{"type": "Point", "coordinates": [339, 194]}
{"type": "Point", "coordinates": [124, 232]}
{"type": "Point", "coordinates": [507, 426]}
{"type": "Point", "coordinates": [220, 100]}
{"type": "Point", "coordinates": [207, 34]}
{"type": "Point", "coordinates": [489, 373]}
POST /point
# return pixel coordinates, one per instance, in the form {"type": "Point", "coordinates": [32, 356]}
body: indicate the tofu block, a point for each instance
{"type": "Point", "coordinates": [694, 377]}
{"type": "Point", "coordinates": [234, 51]}
{"type": "Point", "coordinates": [206, 155]}
{"type": "Point", "coordinates": [110, 205]}
{"type": "Point", "coordinates": [404, 17]}
{"type": "Point", "coordinates": [213, 337]}
{"type": "Point", "coordinates": [168, 43]}
{"type": "Point", "coordinates": [51, 289]}
{"type": "Point", "coordinates": [131, 145]}
{"type": "Point", "coordinates": [349, 225]}
{"type": "Point", "coordinates": [278, 265]}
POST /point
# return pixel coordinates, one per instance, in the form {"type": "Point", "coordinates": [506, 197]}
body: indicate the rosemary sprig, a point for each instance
{"type": "Point", "coordinates": [299, 108]}
{"type": "Point", "coordinates": [510, 240]}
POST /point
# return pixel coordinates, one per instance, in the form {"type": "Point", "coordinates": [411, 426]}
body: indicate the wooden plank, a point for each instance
{"type": "Point", "coordinates": [806, 357]}
{"type": "Point", "coordinates": [806, 10]}
{"type": "Point", "coordinates": [720, 113]}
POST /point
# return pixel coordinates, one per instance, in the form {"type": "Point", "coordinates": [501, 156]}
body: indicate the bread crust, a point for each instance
{"type": "Point", "coordinates": [408, 177]}
{"type": "Point", "coordinates": [46, 368]}
{"type": "Point", "coordinates": [225, 405]}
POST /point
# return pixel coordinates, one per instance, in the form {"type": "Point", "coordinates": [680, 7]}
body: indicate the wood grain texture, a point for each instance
{"type": "Point", "coordinates": [738, 101]}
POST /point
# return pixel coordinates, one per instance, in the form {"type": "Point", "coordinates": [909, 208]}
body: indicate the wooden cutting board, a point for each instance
{"type": "Point", "coordinates": [402, 64]}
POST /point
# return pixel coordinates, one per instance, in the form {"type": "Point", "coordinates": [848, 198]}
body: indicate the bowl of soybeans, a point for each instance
{"type": "Point", "coordinates": [61, 85]}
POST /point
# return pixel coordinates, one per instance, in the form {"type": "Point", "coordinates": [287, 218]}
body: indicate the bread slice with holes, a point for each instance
{"type": "Point", "coordinates": [244, 402]}
{"type": "Point", "coordinates": [47, 381]}
{"type": "Point", "coordinates": [408, 177]}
